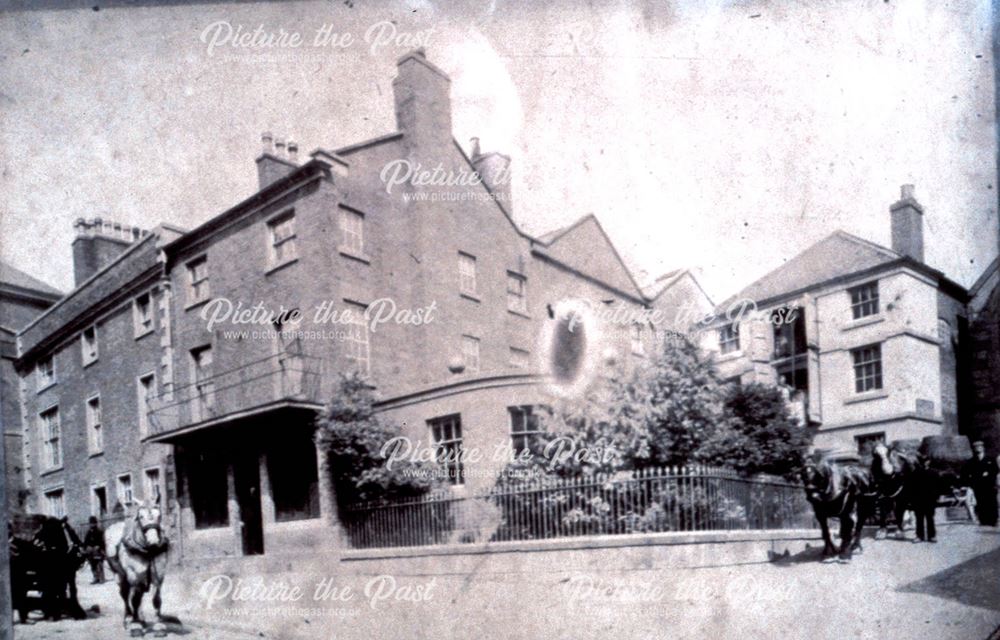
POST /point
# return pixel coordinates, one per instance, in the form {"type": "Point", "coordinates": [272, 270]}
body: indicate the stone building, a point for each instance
{"type": "Point", "coordinates": [191, 364]}
{"type": "Point", "coordinates": [871, 342]}
{"type": "Point", "coordinates": [22, 297]}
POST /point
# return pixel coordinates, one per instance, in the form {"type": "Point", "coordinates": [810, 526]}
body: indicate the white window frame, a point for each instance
{"type": "Point", "coordinates": [357, 343]}
{"type": "Point", "coordinates": [90, 355]}
{"type": "Point", "coordinates": [146, 485]}
{"type": "Point", "coordinates": [95, 428]}
{"type": "Point", "coordinates": [636, 339]}
{"type": "Point", "coordinates": [450, 445]}
{"type": "Point", "coordinates": [867, 370]}
{"type": "Point", "coordinates": [142, 407]}
{"type": "Point", "coordinates": [47, 494]}
{"type": "Point", "coordinates": [517, 296]}
{"type": "Point", "coordinates": [95, 507]}
{"type": "Point", "coordinates": [142, 326]}
{"type": "Point", "coordinates": [45, 380]}
{"type": "Point", "coordinates": [729, 339]}
{"type": "Point", "coordinates": [352, 232]}
{"type": "Point", "coordinates": [467, 284]}
{"type": "Point", "coordinates": [50, 436]}
{"type": "Point", "coordinates": [519, 358]}
{"type": "Point", "coordinates": [192, 291]}
{"type": "Point", "coordinates": [471, 353]}
{"type": "Point", "coordinates": [519, 438]}
{"type": "Point", "coordinates": [282, 249]}
{"type": "Point", "coordinates": [119, 490]}
{"type": "Point", "coordinates": [864, 300]}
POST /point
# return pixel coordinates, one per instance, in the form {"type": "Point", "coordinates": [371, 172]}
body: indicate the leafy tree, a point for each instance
{"type": "Point", "coordinates": [761, 435]}
{"type": "Point", "coordinates": [352, 436]}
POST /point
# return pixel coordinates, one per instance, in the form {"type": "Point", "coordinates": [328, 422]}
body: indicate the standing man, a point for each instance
{"type": "Point", "coordinates": [93, 545]}
{"type": "Point", "coordinates": [981, 474]}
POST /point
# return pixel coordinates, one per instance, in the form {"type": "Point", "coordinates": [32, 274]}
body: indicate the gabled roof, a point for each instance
{"type": "Point", "coordinates": [577, 244]}
{"type": "Point", "coordinates": [836, 256]}
{"type": "Point", "coordinates": [10, 275]}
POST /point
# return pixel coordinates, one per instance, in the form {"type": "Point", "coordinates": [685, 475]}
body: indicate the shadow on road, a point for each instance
{"type": "Point", "coordinates": [975, 582]}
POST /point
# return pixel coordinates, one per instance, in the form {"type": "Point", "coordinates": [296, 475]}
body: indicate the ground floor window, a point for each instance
{"type": "Point", "coordinates": [99, 501]}
{"type": "Point", "coordinates": [446, 433]}
{"type": "Point", "coordinates": [524, 426]}
{"type": "Point", "coordinates": [867, 442]}
{"type": "Point", "coordinates": [208, 486]}
{"type": "Point", "coordinates": [294, 480]}
{"type": "Point", "coordinates": [55, 503]}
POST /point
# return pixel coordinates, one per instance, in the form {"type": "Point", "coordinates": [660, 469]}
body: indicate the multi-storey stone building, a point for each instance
{"type": "Point", "coordinates": [192, 364]}
{"type": "Point", "coordinates": [871, 341]}
{"type": "Point", "coordinates": [22, 297]}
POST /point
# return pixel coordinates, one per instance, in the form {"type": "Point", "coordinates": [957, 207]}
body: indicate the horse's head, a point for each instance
{"type": "Point", "coordinates": [816, 479]}
{"type": "Point", "coordinates": [881, 462]}
{"type": "Point", "coordinates": [147, 520]}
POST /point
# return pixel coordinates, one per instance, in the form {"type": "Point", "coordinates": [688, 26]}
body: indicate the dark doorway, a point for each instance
{"type": "Point", "coordinates": [246, 476]}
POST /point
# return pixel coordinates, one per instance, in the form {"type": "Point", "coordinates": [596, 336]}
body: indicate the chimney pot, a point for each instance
{"type": "Point", "coordinates": [906, 192]}
{"type": "Point", "coordinates": [279, 147]}
{"type": "Point", "coordinates": [475, 147]}
{"type": "Point", "coordinates": [293, 150]}
{"type": "Point", "coordinates": [267, 141]}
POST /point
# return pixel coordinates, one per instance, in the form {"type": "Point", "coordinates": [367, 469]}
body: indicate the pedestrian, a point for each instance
{"type": "Point", "coordinates": [93, 547]}
{"type": "Point", "coordinates": [980, 473]}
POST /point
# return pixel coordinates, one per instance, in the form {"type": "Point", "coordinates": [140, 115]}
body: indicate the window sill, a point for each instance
{"type": "Point", "coordinates": [196, 303]}
{"type": "Point", "coordinates": [862, 322]}
{"type": "Point", "coordinates": [47, 387]}
{"type": "Point", "coordinates": [732, 355]}
{"type": "Point", "coordinates": [51, 471]}
{"type": "Point", "coordinates": [143, 334]}
{"type": "Point", "coordinates": [94, 454]}
{"type": "Point", "coordinates": [354, 255]}
{"type": "Point", "coordinates": [469, 296]}
{"type": "Point", "coordinates": [87, 363]}
{"type": "Point", "coordinates": [519, 314]}
{"type": "Point", "coordinates": [280, 266]}
{"type": "Point", "coordinates": [867, 396]}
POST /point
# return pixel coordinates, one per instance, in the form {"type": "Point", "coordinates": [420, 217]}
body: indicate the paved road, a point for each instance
{"type": "Point", "coordinates": [896, 589]}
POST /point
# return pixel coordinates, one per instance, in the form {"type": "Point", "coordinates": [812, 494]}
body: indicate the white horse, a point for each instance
{"type": "Point", "coordinates": [137, 552]}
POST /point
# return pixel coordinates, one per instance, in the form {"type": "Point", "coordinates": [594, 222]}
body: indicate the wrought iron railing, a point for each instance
{"type": "Point", "coordinates": [646, 501]}
{"type": "Point", "coordinates": [254, 384]}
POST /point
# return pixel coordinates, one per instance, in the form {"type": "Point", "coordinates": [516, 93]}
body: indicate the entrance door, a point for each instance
{"type": "Point", "coordinates": [246, 476]}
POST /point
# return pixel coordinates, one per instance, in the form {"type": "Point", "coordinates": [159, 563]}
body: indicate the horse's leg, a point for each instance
{"type": "Point", "coordinates": [137, 593]}
{"type": "Point", "coordinates": [900, 512]}
{"type": "Point", "coordinates": [828, 548]}
{"type": "Point", "coordinates": [846, 535]}
{"type": "Point", "coordinates": [123, 590]}
{"type": "Point", "coordinates": [882, 504]}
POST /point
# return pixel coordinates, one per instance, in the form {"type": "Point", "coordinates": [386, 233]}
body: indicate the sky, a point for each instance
{"type": "Point", "coordinates": [724, 137]}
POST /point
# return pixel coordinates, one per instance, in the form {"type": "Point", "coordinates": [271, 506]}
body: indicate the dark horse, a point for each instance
{"type": "Point", "coordinates": [47, 563]}
{"type": "Point", "coordinates": [137, 552]}
{"type": "Point", "coordinates": [842, 491]}
{"type": "Point", "coordinates": [898, 476]}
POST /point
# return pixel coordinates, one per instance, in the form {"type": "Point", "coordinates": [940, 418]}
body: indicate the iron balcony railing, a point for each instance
{"type": "Point", "coordinates": [645, 501]}
{"type": "Point", "coordinates": [257, 384]}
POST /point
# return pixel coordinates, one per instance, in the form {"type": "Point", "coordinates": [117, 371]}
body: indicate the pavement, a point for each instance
{"type": "Point", "coordinates": [896, 589]}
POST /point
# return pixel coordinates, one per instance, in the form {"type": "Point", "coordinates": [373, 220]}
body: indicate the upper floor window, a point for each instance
{"type": "Point", "coordinates": [146, 390]}
{"type": "Point", "coordinates": [867, 368]}
{"type": "Point", "coordinates": [95, 433]}
{"type": "Point", "coordinates": [524, 426]}
{"type": "Point", "coordinates": [45, 372]}
{"type": "Point", "coordinates": [125, 496]}
{"type": "Point", "coordinates": [864, 299]}
{"type": "Point", "coordinates": [55, 503]}
{"type": "Point", "coordinates": [467, 273]}
{"type": "Point", "coordinates": [203, 404]}
{"type": "Point", "coordinates": [470, 353]}
{"type": "Point", "coordinates": [282, 235]}
{"type": "Point", "coordinates": [635, 339]}
{"type": "Point", "coordinates": [357, 348]}
{"type": "Point", "coordinates": [197, 276]}
{"type": "Point", "coordinates": [518, 358]}
{"type": "Point", "coordinates": [352, 230]}
{"type": "Point", "coordinates": [789, 324]}
{"type": "Point", "coordinates": [446, 433]}
{"type": "Point", "coordinates": [516, 299]}
{"type": "Point", "coordinates": [729, 338]}
{"type": "Point", "coordinates": [151, 485]}
{"type": "Point", "coordinates": [88, 342]}
{"type": "Point", "coordinates": [142, 314]}
{"type": "Point", "coordinates": [51, 438]}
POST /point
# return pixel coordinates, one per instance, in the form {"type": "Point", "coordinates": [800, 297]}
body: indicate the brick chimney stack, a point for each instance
{"type": "Point", "coordinates": [273, 163]}
{"type": "Point", "coordinates": [494, 169]}
{"type": "Point", "coordinates": [423, 103]}
{"type": "Point", "coordinates": [908, 225]}
{"type": "Point", "coordinates": [98, 242]}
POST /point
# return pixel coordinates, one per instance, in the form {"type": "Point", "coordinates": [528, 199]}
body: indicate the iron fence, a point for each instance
{"type": "Point", "coordinates": [645, 501]}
